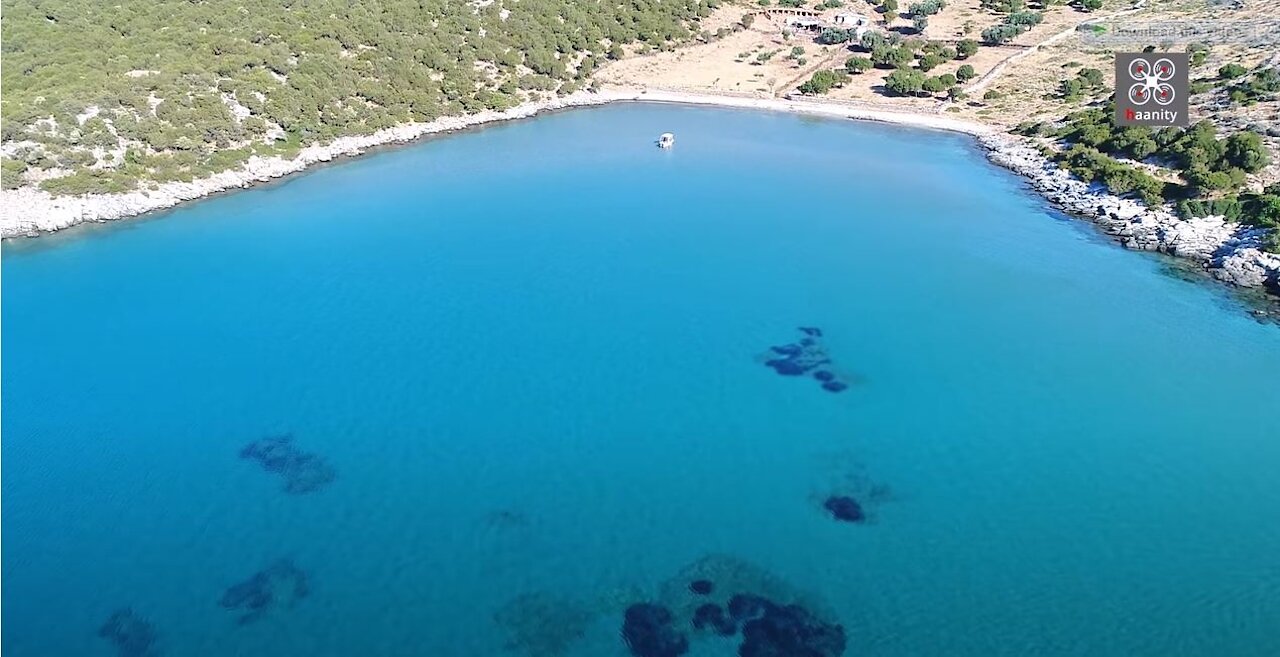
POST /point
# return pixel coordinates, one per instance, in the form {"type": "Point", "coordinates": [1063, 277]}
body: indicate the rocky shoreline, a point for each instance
{"type": "Point", "coordinates": [29, 211]}
{"type": "Point", "coordinates": [1229, 252]}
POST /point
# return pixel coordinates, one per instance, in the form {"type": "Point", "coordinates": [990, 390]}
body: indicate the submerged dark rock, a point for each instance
{"type": "Point", "coordinates": [745, 606]}
{"type": "Point", "coordinates": [701, 586]}
{"type": "Point", "coordinates": [790, 631]}
{"type": "Point", "coordinates": [282, 584]}
{"type": "Point", "coordinates": [804, 357]}
{"type": "Point", "coordinates": [788, 349]}
{"type": "Point", "coordinates": [844, 508]}
{"type": "Point", "coordinates": [706, 614]}
{"type": "Point", "coordinates": [791, 366]}
{"type": "Point", "coordinates": [303, 472]}
{"type": "Point", "coordinates": [648, 631]}
{"type": "Point", "coordinates": [131, 634]}
{"type": "Point", "coordinates": [711, 616]}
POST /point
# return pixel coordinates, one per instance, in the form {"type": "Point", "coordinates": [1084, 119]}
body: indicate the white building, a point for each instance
{"type": "Point", "coordinates": [856, 22]}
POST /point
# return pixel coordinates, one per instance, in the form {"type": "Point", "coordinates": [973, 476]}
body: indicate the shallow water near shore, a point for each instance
{"type": "Point", "coordinates": [530, 357]}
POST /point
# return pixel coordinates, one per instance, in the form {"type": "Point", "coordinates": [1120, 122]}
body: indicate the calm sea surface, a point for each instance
{"type": "Point", "coordinates": [523, 373]}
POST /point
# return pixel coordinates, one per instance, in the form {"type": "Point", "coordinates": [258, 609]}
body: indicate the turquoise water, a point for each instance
{"type": "Point", "coordinates": [531, 355]}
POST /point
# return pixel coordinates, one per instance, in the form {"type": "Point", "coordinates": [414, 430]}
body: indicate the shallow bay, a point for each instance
{"type": "Point", "coordinates": [531, 356]}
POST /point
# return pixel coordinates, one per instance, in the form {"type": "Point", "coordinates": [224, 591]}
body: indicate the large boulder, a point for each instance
{"type": "Point", "coordinates": [1245, 267]}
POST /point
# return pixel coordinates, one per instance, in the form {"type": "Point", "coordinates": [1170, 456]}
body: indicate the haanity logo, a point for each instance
{"type": "Point", "coordinates": [1151, 89]}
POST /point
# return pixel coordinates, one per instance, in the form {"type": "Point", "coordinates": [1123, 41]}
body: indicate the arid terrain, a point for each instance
{"type": "Point", "coordinates": [1013, 84]}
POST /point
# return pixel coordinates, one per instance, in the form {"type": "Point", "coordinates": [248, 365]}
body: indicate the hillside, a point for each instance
{"type": "Point", "coordinates": [103, 97]}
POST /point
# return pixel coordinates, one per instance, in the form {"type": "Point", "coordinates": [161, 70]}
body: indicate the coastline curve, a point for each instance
{"type": "Point", "coordinates": [1229, 252]}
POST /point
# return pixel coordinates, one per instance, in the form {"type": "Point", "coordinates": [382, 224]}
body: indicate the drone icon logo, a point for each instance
{"type": "Point", "coordinates": [1151, 81]}
{"type": "Point", "coordinates": [1152, 89]}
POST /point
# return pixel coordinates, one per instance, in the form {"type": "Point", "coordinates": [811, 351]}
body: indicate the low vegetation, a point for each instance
{"type": "Point", "coordinates": [117, 94]}
{"type": "Point", "coordinates": [824, 81]}
{"type": "Point", "coordinates": [1207, 172]}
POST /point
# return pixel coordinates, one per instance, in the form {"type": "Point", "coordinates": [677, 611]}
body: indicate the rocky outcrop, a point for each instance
{"type": "Point", "coordinates": [1230, 252]}
{"type": "Point", "coordinates": [1246, 267]}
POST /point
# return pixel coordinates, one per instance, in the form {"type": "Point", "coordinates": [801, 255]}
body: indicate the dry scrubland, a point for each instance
{"type": "Point", "coordinates": [729, 64]}
{"type": "Point", "coordinates": [1028, 88]}
{"type": "Point", "coordinates": [1014, 83]}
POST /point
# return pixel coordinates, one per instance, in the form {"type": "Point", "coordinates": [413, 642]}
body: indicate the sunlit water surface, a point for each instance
{"type": "Point", "coordinates": [531, 357]}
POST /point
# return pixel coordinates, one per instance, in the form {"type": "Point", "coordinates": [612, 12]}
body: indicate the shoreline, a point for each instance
{"type": "Point", "coordinates": [1229, 252]}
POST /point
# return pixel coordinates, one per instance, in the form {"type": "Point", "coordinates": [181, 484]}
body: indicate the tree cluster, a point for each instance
{"type": "Point", "coordinates": [1086, 80]}
{"type": "Point", "coordinates": [1263, 85]}
{"type": "Point", "coordinates": [824, 81]}
{"type": "Point", "coordinates": [1017, 22]}
{"type": "Point", "coordinates": [179, 85]}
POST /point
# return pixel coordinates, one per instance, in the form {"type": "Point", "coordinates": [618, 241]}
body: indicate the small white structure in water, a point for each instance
{"type": "Point", "coordinates": [667, 140]}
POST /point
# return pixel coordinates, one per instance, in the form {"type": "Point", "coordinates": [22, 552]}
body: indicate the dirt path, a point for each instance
{"type": "Point", "coordinates": [828, 60]}
{"type": "Point", "coordinates": [990, 76]}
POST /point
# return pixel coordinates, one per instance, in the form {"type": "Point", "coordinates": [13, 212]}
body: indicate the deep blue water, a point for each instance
{"type": "Point", "coordinates": [531, 355]}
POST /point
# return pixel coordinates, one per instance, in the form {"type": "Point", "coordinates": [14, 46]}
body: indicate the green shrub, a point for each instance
{"type": "Point", "coordinates": [1027, 18]}
{"type": "Point", "coordinates": [858, 65]}
{"type": "Point", "coordinates": [1004, 6]}
{"type": "Point", "coordinates": [1001, 34]}
{"type": "Point", "coordinates": [832, 36]}
{"type": "Point", "coordinates": [11, 173]}
{"type": "Point", "coordinates": [1090, 165]}
{"type": "Point", "coordinates": [88, 182]}
{"type": "Point", "coordinates": [823, 81]}
{"type": "Point", "coordinates": [926, 8]}
{"type": "Point", "coordinates": [929, 62]}
{"type": "Point", "coordinates": [1263, 85]}
{"type": "Point", "coordinates": [904, 82]}
{"type": "Point", "coordinates": [886, 56]}
{"type": "Point", "coordinates": [1231, 71]}
{"type": "Point", "coordinates": [1198, 52]}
